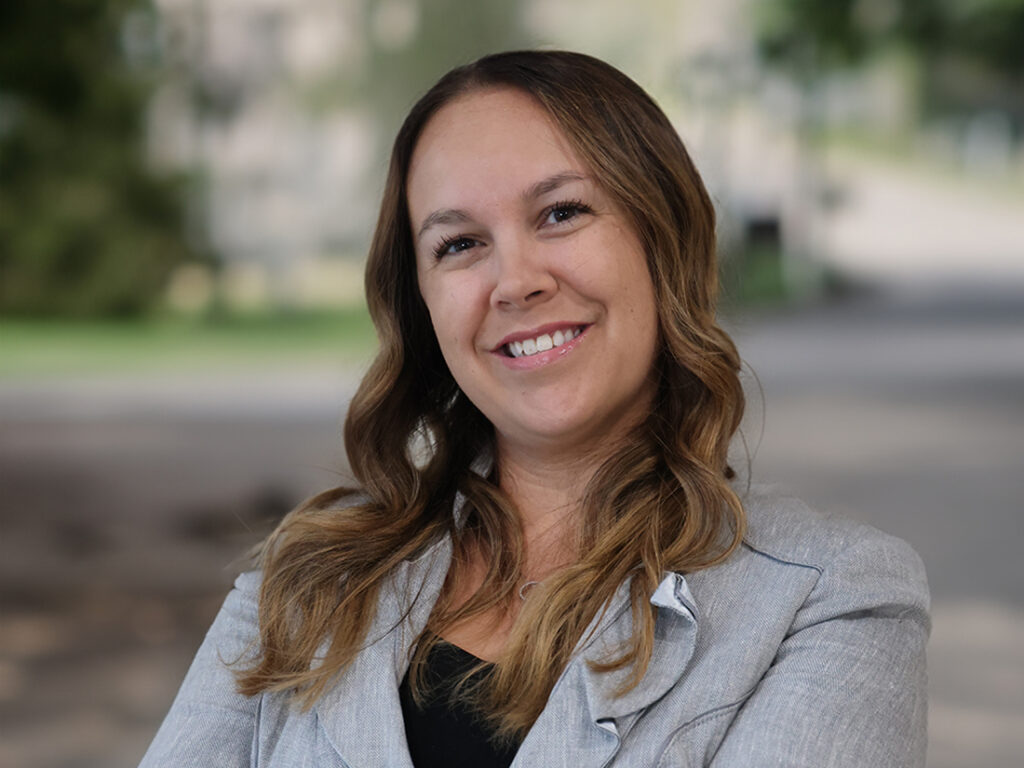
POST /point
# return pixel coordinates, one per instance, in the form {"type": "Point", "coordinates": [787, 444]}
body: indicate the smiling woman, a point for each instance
{"type": "Point", "coordinates": [548, 561]}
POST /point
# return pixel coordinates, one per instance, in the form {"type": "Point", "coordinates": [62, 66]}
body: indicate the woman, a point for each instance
{"type": "Point", "coordinates": [547, 560]}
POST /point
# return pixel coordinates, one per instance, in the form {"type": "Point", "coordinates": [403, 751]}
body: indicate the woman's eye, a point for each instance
{"type": "Point", "coordinates": [562, 212]}
{"type": "Point", "coordinates": [452, 245]}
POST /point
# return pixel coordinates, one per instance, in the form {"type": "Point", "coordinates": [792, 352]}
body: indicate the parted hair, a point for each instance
{"type": "Point", "coordinates": [663, 502]}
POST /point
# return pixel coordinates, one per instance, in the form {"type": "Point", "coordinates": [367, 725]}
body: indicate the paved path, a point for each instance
{"type": "Point", "coordinates": [911, 223]}
{"type": "Point", "coordinates": [127, 501]}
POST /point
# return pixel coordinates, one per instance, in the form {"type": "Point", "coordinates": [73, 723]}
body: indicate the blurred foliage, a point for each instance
{"type": "Point", "coordinates": [85, 228]}
{"type": "Point", "coordinates": [978, 36]}
{"type": "Point", "coordinates": [842, 32]}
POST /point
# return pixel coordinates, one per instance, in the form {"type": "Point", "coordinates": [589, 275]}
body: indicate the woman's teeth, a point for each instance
{"type": "Point", "coordinates": [542, 343]}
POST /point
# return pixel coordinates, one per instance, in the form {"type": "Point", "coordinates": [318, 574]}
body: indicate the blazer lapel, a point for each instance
{"type": "Point", "coordinates": [584, 722]}
{"type": "Point", "coordinates": [362, 714]}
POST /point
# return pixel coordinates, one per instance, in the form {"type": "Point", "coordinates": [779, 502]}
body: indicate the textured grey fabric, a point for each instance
{"type": "Point", "coordinates": [805, 648]}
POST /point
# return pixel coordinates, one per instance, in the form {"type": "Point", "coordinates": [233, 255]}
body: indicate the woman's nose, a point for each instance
{"type": "Point", "coordinates": [523, 277]}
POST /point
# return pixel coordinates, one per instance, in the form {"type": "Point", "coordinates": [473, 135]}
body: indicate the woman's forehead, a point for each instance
{"type": "Point", "coordinates": [484, 142]}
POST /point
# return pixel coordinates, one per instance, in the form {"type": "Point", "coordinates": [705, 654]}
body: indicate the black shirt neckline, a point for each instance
{"type": "Point", "coordinates": [445, 732]}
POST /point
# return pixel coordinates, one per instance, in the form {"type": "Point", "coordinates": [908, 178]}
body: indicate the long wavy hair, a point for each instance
{"type": "Point", "coordinates": [661, 503]}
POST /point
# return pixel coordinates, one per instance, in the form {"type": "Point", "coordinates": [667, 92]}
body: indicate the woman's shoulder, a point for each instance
{"type": "Point", "coordinates": [235, 629]}
{"type": "Point", "coordinates": [783, 527]}
{"type": "Point", "coordinates": [847, 555]}
{"type": "Point", "coordinates": [816, 620]}
{"type": "Point", "coordinates": [210, 722]}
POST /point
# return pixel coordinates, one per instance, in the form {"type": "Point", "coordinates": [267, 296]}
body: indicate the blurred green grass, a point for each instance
{"type": "Point", "coordinates": [54, 347]}
{"type": "Point", "coordinates": [48, 348]}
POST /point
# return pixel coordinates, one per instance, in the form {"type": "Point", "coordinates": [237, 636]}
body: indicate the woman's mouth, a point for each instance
{"type": "Point", "coordinates": [542, 342]}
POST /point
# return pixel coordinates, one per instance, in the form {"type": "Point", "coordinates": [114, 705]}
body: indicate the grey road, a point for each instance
{"type": "Point", "coordinates": [128, 502]}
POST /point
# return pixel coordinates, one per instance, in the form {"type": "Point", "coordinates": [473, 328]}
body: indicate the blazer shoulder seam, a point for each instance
{"type": "Point", "coordinates": [782, 560]}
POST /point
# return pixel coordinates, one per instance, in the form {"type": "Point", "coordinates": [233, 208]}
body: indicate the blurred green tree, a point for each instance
{"type": "Point", "coordinates": [86, 229]}
{"type": "Point", "coordinates": [982, 37]}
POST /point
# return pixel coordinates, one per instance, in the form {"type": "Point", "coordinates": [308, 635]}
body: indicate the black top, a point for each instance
{"type": "Point", "coordinates": [446, 733]}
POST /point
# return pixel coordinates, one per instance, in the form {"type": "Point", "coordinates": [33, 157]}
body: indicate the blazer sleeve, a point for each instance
{"type": "Point", "coordinates": [210, 723]}
{"type": "Point", "coordinates": [847, 687]}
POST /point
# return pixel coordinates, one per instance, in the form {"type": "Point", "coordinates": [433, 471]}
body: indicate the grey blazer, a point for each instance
{"type": "Point", "coordinates": [805, 648]}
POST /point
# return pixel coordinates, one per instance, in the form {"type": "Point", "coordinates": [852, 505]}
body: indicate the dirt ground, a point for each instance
{"type": "Point", "coordinates": [128, 504]}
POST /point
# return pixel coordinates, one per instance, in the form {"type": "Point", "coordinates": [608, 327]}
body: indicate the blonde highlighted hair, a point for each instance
{"type": "Point", "coordinates": [662, 503]}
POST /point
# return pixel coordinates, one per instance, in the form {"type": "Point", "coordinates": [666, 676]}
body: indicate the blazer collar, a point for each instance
{"type": "Point", "coordinates": [583, 716]}
{"type": "Point", "coordinates": [675, 636]}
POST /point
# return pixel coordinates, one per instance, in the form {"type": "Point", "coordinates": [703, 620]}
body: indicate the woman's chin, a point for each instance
{"type": "Point", "coordinates": [560, 434]}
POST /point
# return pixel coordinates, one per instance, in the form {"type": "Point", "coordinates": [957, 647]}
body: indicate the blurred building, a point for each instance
{"type": "Point", "coordinates": [255, 101]}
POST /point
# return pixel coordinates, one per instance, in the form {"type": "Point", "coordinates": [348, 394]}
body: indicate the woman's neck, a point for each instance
{"type": "Point", "coordinates": [547, 492]}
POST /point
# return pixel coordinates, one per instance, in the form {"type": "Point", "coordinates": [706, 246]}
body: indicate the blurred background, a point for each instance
{"type": "Point", "coordinates": [187, 189]}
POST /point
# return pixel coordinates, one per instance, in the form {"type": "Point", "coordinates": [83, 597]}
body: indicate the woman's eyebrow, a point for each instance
{"type": "Point", "coordinates": [551, 183]}
{"type": "Point", "coordinates": [538, 189]}
{"type": "Point", "coordinates": [443, 216]}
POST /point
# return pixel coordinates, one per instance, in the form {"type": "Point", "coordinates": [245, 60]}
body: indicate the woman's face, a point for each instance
{"type": "Point", "coordinates": [537, 287]}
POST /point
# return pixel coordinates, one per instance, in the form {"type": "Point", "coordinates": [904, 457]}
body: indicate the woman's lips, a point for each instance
{"type": "Point", "coordinates": [532, 345]}
{"type": "Point", "coordinates": [540, 330]}
{"type": "Point", "coordinates": [538, 347]}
